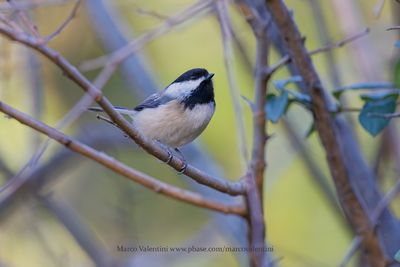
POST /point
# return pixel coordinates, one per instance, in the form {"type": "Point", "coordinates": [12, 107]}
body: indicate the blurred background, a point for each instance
{"type": "Point", "coordinates": [76, 212]}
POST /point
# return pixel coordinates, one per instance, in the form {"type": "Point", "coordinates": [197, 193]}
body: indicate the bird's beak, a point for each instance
{"type": "Point", "coordinates": [210, 75]}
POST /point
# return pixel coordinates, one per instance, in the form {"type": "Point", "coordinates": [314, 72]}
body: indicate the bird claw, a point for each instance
{"type": "Point", "coordinates": [169, 159]}
{"type": "Point", "coordinates": [184, 166]}
{"type": "Point", "coordinates": [183, 169]}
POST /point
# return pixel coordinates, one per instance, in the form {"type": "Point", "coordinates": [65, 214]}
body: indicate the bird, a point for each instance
{"type": "Point", "coordinates": [178, 114]}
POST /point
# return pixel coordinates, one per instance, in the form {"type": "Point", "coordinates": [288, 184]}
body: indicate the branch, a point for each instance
{"type": "Point", "coordinates": [71, 72]}
{"type": "Point", "coordinates": [118, 167]}
{"type": "Point", "coordinates": [255, 176]}
{"type": "Point", "coordinates": [121, 54]}
{"type": "Point", "coordinates": [79, 230]}
{"type": "Point", "coordinates": [377, 213]}
{"type": "Point", "coordinates": [226, 31]}
{"type": "Point", "coordinates": [327, 129]}
{"type": "Point", "coordinates": [65, 23]}
{"type": "Point", "coordinates": [29, 4]}
{"type": "Point", "coordinates": [393, 28]}
{"type": "Point", "coordinates": [286, 59]}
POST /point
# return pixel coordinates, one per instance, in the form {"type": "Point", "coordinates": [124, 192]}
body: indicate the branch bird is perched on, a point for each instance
{"type": "Point", "coordinates": [178, 114]}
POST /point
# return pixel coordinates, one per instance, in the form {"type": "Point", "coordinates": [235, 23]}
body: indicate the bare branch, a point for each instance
{"type": "Point", "coordinates": [65, 23]}
{"type": "Point", "coordinates": [150, 13]}
{"type": "Point", "coordinates": [25, 18]}
{"type": "Point", "coordinates": [118, 167]}
{"type": "Point", "coordinates": [121, 54]}
{"type": "Point", "coordinates": [380, 208]}
{"type": "Point", "coordinates": [341, 43]}
{"type": "Point", "coordinates": [28, 4]}
{"type": "Point", "coordinates": [393, 28]}
{"type": "Point", "coordinates": [226, 30]}
{"type": "Point", "coordinates": [286, 59]}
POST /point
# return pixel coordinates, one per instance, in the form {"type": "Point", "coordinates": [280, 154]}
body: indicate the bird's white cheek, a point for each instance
{"type": "Point", "coordinates": [180, 90]}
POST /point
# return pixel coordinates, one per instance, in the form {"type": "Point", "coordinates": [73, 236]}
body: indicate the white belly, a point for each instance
{"type": "Point", "coordinates": [173, 125]}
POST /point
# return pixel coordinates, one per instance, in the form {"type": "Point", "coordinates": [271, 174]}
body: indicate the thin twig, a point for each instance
{"type": "Point", "coordinates": [25, 19]}
{"type": "Point", "coordinates": [118, 167]}
{"type": "Point", "coordinates": [65, 23]}
{"type": "Point", "coordinates": [393, 28]}
{"type": "Point", "coordinates": [29, 4]}
{"type": "Point", "coordinates": [341, 43]}
{"type": "Point", "coordinates": [226, 30]}
{"type": "Point", "coordinates": [286, 59]}
{"type": "Point", "coordinates": [118, 56]}
{"type": "Point", "coordinates": [150, 13]}
{"type": "Point", "coordinates": [152, 148]}
{"type": "Point", "coordinates": [380, 208]}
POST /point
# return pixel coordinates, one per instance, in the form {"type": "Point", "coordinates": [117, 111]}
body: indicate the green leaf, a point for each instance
{"type": "Point", "coordinates": [374, 124]}
{"type": "Point", "coordinates": [397, 256]}
{"type": "Point", "coordinates": [389, 93]}
{"type": "Point", "coordinates": [362, 86]}
{"type": "Point", "coordinates": [281, 84]}
{"type": "Point", "coordinates": [276, 106]}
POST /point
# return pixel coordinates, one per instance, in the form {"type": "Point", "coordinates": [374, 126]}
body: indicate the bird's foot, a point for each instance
{"type": "Point", "coordinates": [184, 166]}
{"type": "Point", "coordinates": [167, 149]}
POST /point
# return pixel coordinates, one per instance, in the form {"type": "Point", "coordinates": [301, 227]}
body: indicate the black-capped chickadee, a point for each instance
{"type": "Point", "coordinates": [178, 114]}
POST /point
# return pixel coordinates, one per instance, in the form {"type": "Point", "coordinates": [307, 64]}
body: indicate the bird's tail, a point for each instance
{"type": "Point", "coordinates": [121, 110]}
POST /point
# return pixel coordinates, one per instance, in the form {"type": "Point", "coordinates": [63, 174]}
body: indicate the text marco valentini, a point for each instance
{"type": "Point", "coordinates": [142, 248]}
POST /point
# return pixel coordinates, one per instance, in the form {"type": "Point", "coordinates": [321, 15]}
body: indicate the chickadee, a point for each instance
{"type": "Point", "coordinates": [178, 114]}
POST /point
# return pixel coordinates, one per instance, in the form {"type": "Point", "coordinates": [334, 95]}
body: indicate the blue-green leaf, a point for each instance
{"type": "Point", "coordinates": [300, 97]}
{"type": "Point", "coordinates": [368, 115]}
{"type": "Point", "coordinates": [362, 86]}
{"type": "Point", "coordinates": [397, 256]}
{"type": "Point", "coordinates": [281, 84]}
{"type": "Point", "coordinates": [276, 106]}
{"type": "Point", "coordinates": [388, 93]}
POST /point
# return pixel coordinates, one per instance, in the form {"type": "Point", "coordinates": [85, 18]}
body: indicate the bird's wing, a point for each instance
{"type": "Point", "coordinates": [153, 101]}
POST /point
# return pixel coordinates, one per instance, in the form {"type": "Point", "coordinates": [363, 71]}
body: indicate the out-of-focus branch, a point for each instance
{"type": "Point", "coordinates": [324, 35]}
{"type": "Point", "coordinates": [34, 70]}
{"type": "Point", "coordinates": [29, 4]}
{"type": "Point", "coordinates": [226, 30]}
{"type": "Point", "coordinates": [328, 132]}
{"type": "Point", "coordinates": [318, 177]}
{"type": "Point", "coordinates": [110, 30]}
{"type": "Point", "coordinates": [151, 147]}
{"type": "Point", "coordinates": [286, 59]}
{"type": "Point", "coordinates": [4, 169]}
{"type": "Point", "coordinates": [25, 19]}
{"type": "Point", "coordinates": [121, 54]}
{"type": "Point", "coordinates": [78, 229]}
{"type": "Point", "coordinates": [65, 23]}
{"type": "Point", "coordinates": [393, 28]}
{"type": "Point", "coordinates": [377, 213]}
{"type": "Point", "coordinates": [118, 167]}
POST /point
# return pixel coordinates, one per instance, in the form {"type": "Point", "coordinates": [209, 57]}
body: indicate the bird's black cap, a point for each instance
{"type": "Point", "coordinates": [192, 74]}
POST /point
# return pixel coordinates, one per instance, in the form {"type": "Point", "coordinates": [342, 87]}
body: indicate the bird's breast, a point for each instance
{"type": "Point", "coordinates": [173, 124]}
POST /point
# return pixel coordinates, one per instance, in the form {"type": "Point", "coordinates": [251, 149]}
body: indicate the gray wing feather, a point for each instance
{"type": "Point", "coordinates": [153, 101]}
